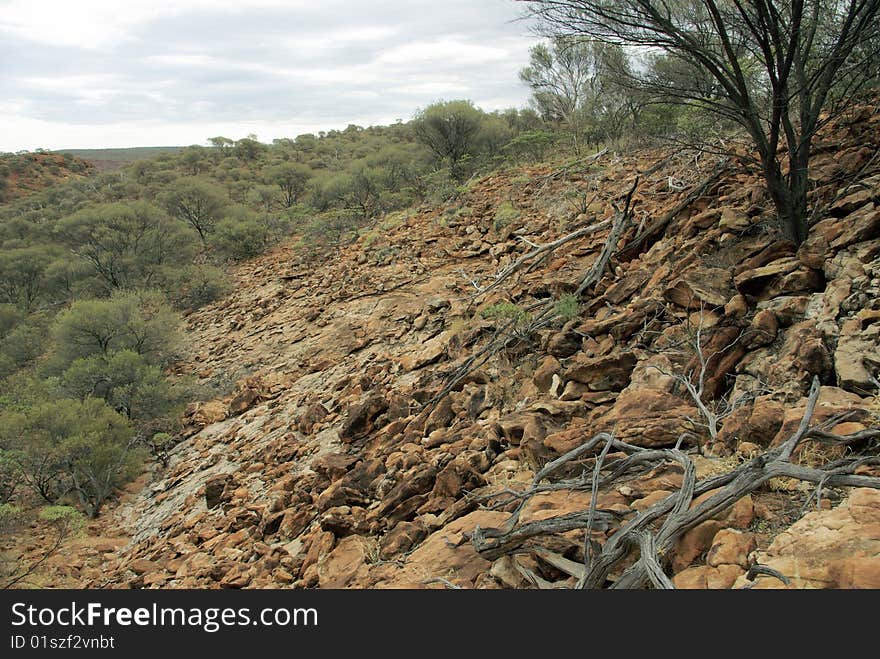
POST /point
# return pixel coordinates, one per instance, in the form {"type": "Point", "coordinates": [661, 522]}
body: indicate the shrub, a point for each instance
{"type": "Point", "coordinates": [505, 214]}
{"type": "Point", "coordinates": [566, 307]}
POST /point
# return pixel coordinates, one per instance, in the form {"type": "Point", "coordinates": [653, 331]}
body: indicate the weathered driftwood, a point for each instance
{"type": "Point", "coordinates": [654, 532]}
{"type": "Point", "coordinates": [541, 251]}
{"type": "Point", "coordinates": [656, 228]}
{"type": "Point", "coordinates": [621, 223]}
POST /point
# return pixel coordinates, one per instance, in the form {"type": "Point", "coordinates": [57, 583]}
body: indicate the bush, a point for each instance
{"type": "Point", "coordinates": [505, 311]}
{"type": "Point", "coordinates": [82, 448]}
{"type": "Point", "coordinates": [567, 307]}
{"type": "Point", "coordinates": [240, 239]}
{"type": "Point", "coordinates": [201, 284]}
{"type": "Point", "coordinates": [126, 382]}
{"type": "Point", "coordinates": [140, 321]}
{"type": "Point", "coordinates": [505, 214]}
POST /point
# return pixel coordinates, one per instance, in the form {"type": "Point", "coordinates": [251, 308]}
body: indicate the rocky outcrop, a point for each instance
{"type": "Point", "coordinates": [332, 461]}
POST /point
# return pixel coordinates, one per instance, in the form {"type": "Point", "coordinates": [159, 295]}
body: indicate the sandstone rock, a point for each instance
{"type": "Point", "coordinates": [763, 329]}
{"type": "Point", "coordinates": [564, 343]}
{"type": "Point", "coordinates": [837, 548]}
{"type": "Point", "coordinates": [339, 567]}
{"type": "Point", "coordinates": [215, 490]}
{"type": "Point", "coordinates": [757, 423]}
{"type": "Point", "coordinates": [702, 287]}
{"type": "Point", "coordinates": [543, 376]}
{"type": "Point", "coordinates": [611, 372]}
{"type": "Point", "coordinates": [849, 364]}
{"type": "Point", "coordinates": [731, 547]}
{"type": "Point", "coordinates": [361, 416]}
{"type": "Point", "coordinates": [403, 537]}
{"type": "Point", "coordinates": [313, 414]}
{"type": "Point", "coordinates": [244, 400]}
{"type": "Point", "coordinates": [755, 282]}
{"type": "Point", "coordinates": [648, 418]}
{"type": "Point", "coordinates": [701, 577]}
{"type": "Point", "coordinates": [432, 351]}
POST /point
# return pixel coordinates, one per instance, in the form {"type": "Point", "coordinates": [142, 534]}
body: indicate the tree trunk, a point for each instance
{"type": "Point", "coordinates": [789, 196]}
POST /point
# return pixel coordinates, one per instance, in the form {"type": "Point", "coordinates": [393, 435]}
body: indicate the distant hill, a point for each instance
{"type": "Point", "coordinates": [27, 173]}
{"type": "Point", "coordinates": [111, 159]}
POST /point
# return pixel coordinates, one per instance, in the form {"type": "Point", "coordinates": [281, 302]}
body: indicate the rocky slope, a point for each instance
{"type": "Point", "coordinates": [327, 466]}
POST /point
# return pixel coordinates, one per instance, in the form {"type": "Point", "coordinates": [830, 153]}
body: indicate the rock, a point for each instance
{"type": "Point", "coordinates": [403, 537]}
{"type": "Point", "coordinates": [701, 287]}
{"type": "Point", "coordinates": [204, 414]}
{"type": "Point", "coordinates": [504, 569]}
{"type": "Point", "coordinates": [360, 417]}
{"type": "Point", "coordinates": [838, 548]}
{"type": "Point", "coordinates": [734, 220]}
{"type": "Point", "coordinates": [755, 282]}
{"type": "Point", "coordinates": [446, 553]}
{"type": "Point", "coordinates": [313, 414]}
{"type": "Point", "coordinates": [851, 202]}
{"type": "Point", "coordinates": [609, 373]}
{"type": "Point", "coordinates": [694, 544]}
{"type": "Point", "coordinates": [419, 481]}
{"type": "Point", "coordinates": [788, 309]}
{"type": "Point", "coordinates": [429, 353]}
{"type": "Point", "coordinates": [440, 416]}
{"type": "Point", "coordinates": [340, 567]}
{"type": "Point", "coordinates": [849, 364]}
{"type": "Point", "coordinates": [564, 343]}
{"type": "Point", "coordinates": [763, 329]}
{"type": "Point", "coordinates": [757, 423]}
{"type": "Point", "coordinates": [648, 417]}
{"type": "Point", "coordinates": [702, 577]}
{"type": "Point", "coordinates": [543, 376]}
{"type": "Point", "coordinates": [215, 490]}
{"type": "Point", "coordinates": [243, 401]}
{"type": "Point", "coordinates": [333, 466]}
{"type": "Point", "coordinates": [731, 547]}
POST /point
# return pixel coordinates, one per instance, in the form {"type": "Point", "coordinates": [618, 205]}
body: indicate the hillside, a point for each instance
{"type": "Point", "coordinates": [403, 416]}
{"type": "Point", "coordinates": [24, 174]}
{"type": "Point", "coordinates": [109, 160]}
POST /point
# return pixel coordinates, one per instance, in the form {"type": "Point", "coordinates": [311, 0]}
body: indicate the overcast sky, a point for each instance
{"type": "Point", "coordinates": [115, 73]}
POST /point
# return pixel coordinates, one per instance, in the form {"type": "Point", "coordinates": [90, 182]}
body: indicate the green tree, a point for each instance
{"type": "Point", "coordinates": [140, 321]}
{"type": "Point", "coordinates": [128, 245]}
{"type": "Point", "coordinates": [293, 179]}
{"type": "Point", "coordinates": [23, 275]}
{"type": "Point", "coordinates": [449, 130]}
{"type": "Point", "coordinates": [127, 382]}
{"type": "Point", "coordinates": [197, 201]}
{"type": "Point", "coordinates": [779, 70]}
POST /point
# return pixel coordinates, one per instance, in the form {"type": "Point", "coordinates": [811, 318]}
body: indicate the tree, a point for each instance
{"type": "Point", "coordinates": [293, 180]}
{"type": "Point", "coordinates": [23, 275]}
{"type": "Point", "coordinates": [129, 244]}
{"type": "Point", "coordinates": [127, 382]}
{"type": "Point", "coordinates": [449, 129]}
{"type": "Point", "coordinates": [561, 78]}
{"type": "Point", "coordinates": [138, 321]}
{"type": "Point", "coordinates": [776, 67]}
{"type": "Point", "coordinates": [197, 201]}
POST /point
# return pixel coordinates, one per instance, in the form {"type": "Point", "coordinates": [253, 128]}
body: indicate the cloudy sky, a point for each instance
{"type": "Point", "coordinates": [115, 73]}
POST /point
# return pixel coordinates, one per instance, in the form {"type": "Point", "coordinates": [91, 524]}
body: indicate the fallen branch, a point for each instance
{"type": "Point", "coordinates": [676, 513]}
{"type": "Point", "coordinates": [656, 228]}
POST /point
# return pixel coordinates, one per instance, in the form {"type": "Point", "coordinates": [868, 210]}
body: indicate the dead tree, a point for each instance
{"type": "Point", "coordinates": [654, 532]}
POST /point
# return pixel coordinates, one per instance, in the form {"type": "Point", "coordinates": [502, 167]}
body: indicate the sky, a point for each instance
{"type": "Point", "coordinates": [121, 73]}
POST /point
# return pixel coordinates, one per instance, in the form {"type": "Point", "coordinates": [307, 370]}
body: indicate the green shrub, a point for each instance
{"type": "Point", "coordinates": [505, 214]}
{"type": "Point", "coordinates": [505, 311]}
{"type": "Point", "coordinates": [238, 240]}
{"type": "Point", "coordinates": [566, 307]}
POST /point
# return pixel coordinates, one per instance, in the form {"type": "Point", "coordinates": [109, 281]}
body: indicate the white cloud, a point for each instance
{"type": "Point", "coordinates": [92, 73]}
